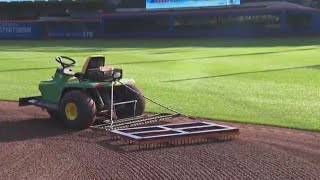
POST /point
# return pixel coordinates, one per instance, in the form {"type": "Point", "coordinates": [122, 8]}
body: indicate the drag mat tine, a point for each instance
{"type": "Point", "coordinates": [128, 148]}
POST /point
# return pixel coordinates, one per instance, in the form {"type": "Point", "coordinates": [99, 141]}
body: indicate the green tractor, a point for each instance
{"type": "Point", "coordinates": [98, 97]}
{"type": "Point", "coordinates": [98, 92]}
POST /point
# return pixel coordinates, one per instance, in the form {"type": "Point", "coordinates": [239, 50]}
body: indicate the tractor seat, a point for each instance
{"type": "Point", "coordinates": [93, 62]}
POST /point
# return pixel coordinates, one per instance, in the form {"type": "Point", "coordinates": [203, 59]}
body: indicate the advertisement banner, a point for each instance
{"type": "Point", "coordinates": [76, 35]}
{"type": "Point", "coordinates": [26, 0]}
{"type": "Point", "coordinates": [19, 30]}
{"type": "Point", "coordinates": [168, 4]}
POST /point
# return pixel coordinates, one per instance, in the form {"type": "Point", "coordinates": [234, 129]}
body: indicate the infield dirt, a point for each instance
{"type": "Point", "coordinates": [33, 146]}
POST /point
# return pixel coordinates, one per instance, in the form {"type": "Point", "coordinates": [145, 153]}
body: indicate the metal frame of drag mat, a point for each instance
{"type": "Point", "coordinates": [179, 133]}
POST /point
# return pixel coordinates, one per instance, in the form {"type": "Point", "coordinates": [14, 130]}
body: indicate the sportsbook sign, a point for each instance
{"type": "Point", "coordinates": [18, 30]}
{"type": "Point", "coordinates": [168, 4]}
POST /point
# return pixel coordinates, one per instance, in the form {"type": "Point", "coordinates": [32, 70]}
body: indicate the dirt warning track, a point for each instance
{"type": "Point", "coordinates": [32, 146]}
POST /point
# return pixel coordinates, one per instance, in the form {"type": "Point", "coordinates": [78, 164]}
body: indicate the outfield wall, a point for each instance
{"type": "Point", "coordinates": [258, 21]}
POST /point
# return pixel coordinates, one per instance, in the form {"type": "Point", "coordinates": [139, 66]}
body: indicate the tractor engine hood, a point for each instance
{"type": "Point", "coordinates": [104, 74]}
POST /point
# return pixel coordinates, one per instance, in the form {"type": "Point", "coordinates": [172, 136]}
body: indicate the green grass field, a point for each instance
{"type": "Point", "coordinates": [261, 81]}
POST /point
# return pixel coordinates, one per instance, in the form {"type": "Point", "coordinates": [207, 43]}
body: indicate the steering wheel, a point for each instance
{"type": "Point", "coordinates": [61, 60]}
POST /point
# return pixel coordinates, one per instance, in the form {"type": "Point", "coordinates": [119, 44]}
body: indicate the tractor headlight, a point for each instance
{"type": "Point", "coordinates": [117, 75]}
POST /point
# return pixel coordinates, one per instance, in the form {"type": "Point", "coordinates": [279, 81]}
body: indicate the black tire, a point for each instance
{"type": "Point", "coordinates": [85, 110]}
{"type": "Point", "coordinates": [127, 110]}
{"type": "Point", "coordinates": [53, 114]}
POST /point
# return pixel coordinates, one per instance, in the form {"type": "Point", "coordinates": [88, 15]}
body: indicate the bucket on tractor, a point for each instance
{"type": "Point", "coordinates": [100, 94]}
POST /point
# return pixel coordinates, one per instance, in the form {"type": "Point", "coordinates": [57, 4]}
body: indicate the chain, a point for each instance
{"type": "Point", "coordinates": [157, 103]}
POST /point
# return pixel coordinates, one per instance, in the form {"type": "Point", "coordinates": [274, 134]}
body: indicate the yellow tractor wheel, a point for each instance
{"type": "Point", "coordinates": [77, 110]}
